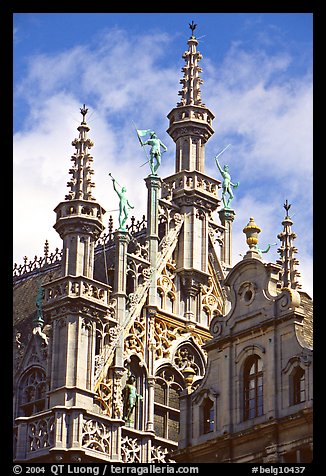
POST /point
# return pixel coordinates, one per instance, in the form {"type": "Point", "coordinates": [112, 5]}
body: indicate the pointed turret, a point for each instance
{"type": "Point", "coordinates": [289, 273]}
{"type": "Point", "coordinates": [79, 218]}
{"type": "Point", "coordinates": [191, 121]}
{"type": "Point", "coordinates": [81, 182]}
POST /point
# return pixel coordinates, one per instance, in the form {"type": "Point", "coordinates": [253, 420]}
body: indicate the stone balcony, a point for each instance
{"type": "Point", "coordinates": [74, 287]}
{"type": "Point", "coordinates": [191, 181]}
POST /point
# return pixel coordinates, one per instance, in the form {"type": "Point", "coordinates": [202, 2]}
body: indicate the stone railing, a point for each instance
{"type": "Point", "coordinates": [35, 435]}
{"type": "Point", "coordinates": [192, 180]}
{"type": "Point", "coordinates": [76, 287]}
{"type": "Point", "coordinates": [92, 434]}
{"type": "Point", "coordinates": [34, 265]}
{"type": "Point", "coordinates": [137, 447]}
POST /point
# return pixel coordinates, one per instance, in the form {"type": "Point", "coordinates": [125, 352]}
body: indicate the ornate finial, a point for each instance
{"type": "Point", "coordinates": [287, 250]}
{"type": "Point", "coordinates": [191, 81]}
{"type": "Point", "coordinates": [188, 375]}
{"type": "Point", "coordinates": [81, 184]}
{"type": "Point", "coordinates": [251, 231]}
{"type": "Point", "coordinates": [83, 111]}
{"type": "Point", "coordinates": [192, 27]}
{"type": "Point", "coordinates": [46, 251]}
{"type": "Point", "coordinates": [287, 206]}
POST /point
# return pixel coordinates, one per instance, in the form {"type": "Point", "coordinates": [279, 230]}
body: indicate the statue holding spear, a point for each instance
{"type": "Point", "coordinates": [124, 204]}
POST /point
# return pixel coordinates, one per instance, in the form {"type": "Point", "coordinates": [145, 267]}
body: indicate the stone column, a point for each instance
{"type": "Point", "coordinates": [227, 217]}
{"type": "Point", "coordinates": [151, 313]}
{"type": "Point", "coordinates": [122, 239]}
{"type": "Point", "coordinates": [153, 183]}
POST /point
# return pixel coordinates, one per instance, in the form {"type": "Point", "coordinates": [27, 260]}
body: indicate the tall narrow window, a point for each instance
{"type": "Point", "coordinates": [253, 387]}
{"type": "Point", "coordinates": [208, 415]}
{"type": "Point", "coordinates": [166, 409]}
{"type": "Point", "coordinates": [297, 386]}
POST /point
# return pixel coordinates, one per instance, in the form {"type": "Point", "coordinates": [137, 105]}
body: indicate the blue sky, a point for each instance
{"type": "Point", "coordinates": [257, 72]}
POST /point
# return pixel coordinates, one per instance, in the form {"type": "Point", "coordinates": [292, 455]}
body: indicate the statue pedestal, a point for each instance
{"type": "Point", "coordinates": [227, 216]}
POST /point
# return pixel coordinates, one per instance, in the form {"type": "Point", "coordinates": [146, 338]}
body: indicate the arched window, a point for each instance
{"type": "Point", "coordinates": [168, 386]}
{"type": "Point", "coordinates": [32, 392]}
{"type": "Point", "coordinates": [253, 387]}
{"type": "Point", "coordinates": [297, 386]}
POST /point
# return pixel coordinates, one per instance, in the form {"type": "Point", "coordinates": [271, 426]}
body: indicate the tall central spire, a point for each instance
{"type": "Point", "coordinates": [191, 81]}
{"type": "Point", "coordinates": [191, 121]}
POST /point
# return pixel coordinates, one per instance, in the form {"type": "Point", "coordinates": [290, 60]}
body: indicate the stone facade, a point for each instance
{"type": "Point", "coordinates": [255, 402]}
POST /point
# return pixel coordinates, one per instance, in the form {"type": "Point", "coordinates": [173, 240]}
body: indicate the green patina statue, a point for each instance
{"type": "Point", "coordinates": [124, 204]}
{"type": "Point", "coordinates": [260, 251]}
{"type": "Point", "coordinates": [155, 151]}
{"type": "Point", "coordinates": [130, 397]}
{"type": "Point", "coordinates": [226, 184]}
{"type": "Point", "coordinates": [38, 321]}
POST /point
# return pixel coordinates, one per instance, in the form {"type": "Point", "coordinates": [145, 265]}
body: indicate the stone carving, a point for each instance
{"type": "Point", "coordinates": [164, 335]}
{"type": "Point", "coordinates": [96, 435]}
{"type": "Point", "coordinates": [19, 350]}
{"type": "Point", "coordinates": [135, 341]}
{"type": "Point", "coordinates": [159, 455]}
{"type": "Point", "coordinates": [211, 301]}
{"type": "Point", "coordinates": [40, 434]}
{"type": "Point", "coordinates": [103, 396]}
{"type": "Point", "coordinates": [186, 357]}
{"type": "Point", "coordinates": [130, 450]}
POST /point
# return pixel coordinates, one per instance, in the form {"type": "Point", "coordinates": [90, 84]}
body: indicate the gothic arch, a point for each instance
{"type": "Point", "coordinates": [185, 354]}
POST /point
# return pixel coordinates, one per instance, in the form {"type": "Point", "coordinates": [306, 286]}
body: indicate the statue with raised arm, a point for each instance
{"type": "Point", "coordinates": [226, 184]}
{"type": "Point", "coordinates": [155, 151]}
{"type": "Point", "coordinates": [130, 398]}
{"type": "Point", "coordinates": [124, 204]}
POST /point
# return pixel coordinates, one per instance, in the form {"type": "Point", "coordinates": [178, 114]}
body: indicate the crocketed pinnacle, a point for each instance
{"type": "Point", "coordinates": [289, 273]}
{"type": "Point", "coordinates": [81, 182]}
{"type": "Point", "coordinates": [191, 81]}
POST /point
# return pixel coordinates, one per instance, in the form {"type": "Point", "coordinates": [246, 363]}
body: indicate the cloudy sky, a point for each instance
{"type": "Point", "coordinates": [257, 72]}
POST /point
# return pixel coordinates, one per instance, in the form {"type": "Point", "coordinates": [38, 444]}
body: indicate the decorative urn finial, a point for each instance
{"type": "Point", "coordinates": [188, 375]}
{"type": "Point", "coordinates": [251, 231]}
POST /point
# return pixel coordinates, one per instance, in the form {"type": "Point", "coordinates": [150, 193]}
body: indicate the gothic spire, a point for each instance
{"type": "Point", "coordinates": [81, 182]}
{"type": "Point", "coordinates": [191, 81]}
{"type": "Point", "coordinates": [289, 273]}
{"type": "Point", "coordinates": [190, 121]}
